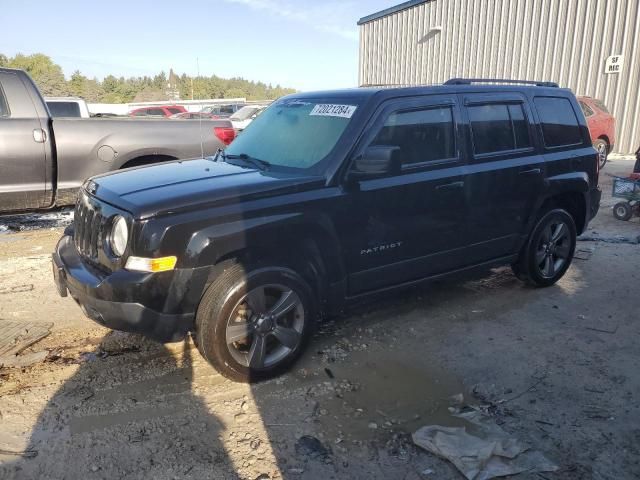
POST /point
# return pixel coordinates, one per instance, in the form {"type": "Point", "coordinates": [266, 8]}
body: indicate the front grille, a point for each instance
{"type": "Point", "coordinates": [88, 223]}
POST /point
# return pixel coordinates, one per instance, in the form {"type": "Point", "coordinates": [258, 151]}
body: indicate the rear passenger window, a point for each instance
{"type": "Point", "coordinates": [498, 127]}
{"type": "Point", "coordinates": [422, 135]}
{"type": "Point", "coordinates": [560, 125]}
{"type": "Point", "coordinates": [4, 109]}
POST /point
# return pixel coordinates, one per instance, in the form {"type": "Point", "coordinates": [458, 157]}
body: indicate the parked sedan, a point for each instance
{"type": "Point", "coordinates": [222, 111]}
{"type": "Point", "coordinates": [157, 111]}
{"type": "Point", "coordinates": [243, 117]}
{"type": "Point", "coordinates": [193, 116]}
{"type": "Point", "coordinates": [602, 126]}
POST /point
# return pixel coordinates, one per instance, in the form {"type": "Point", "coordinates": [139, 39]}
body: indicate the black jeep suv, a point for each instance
{"type": "Point", "coordinates": [329, 197]}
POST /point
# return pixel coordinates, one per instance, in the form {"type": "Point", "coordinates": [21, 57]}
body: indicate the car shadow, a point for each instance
{"type": "Point", "coordinates": [138, 409]}
{"type": "Point", "coordinates": [129, 411]}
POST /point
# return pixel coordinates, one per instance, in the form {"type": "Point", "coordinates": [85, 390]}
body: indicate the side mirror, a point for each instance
{"type": "Point", "coordinates": [376, 161]}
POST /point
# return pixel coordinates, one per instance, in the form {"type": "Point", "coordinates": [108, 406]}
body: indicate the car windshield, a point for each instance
{"type": "Point", "coordinates": [244, 113]}
{"type": "Point", "coordinates": [295, 133]}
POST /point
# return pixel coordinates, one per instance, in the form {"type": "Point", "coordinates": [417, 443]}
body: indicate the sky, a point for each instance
{"type": "Point", "coordinates": [303, 44]}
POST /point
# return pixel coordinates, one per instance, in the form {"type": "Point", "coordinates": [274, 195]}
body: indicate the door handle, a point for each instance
{"type": "Point", "coordinates": [450, 186]}
{"type": "Point", "coordinates": [533, 171]}
{"type": "Point", "coordinates": [39, 135]}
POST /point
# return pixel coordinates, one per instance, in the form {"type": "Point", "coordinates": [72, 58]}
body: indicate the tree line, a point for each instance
{"type": "Point", "coordinates": [51, 81]}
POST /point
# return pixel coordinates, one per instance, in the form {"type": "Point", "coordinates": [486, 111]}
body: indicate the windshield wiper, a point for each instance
{"type": "Point", "coordinates": [256, 162]}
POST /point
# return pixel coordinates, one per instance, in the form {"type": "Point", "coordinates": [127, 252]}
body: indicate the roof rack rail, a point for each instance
{"type": "Point", "coordinates": [469, 81]}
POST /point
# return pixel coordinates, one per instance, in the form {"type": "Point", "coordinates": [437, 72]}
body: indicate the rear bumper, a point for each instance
{"type": "Point", "coordinates": [125, 300]}
{"type": "Point", "coordinates": [594, 204]}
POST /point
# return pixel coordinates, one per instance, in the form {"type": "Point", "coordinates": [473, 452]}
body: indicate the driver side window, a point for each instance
{"type": "Point", "coordinates": [424, 135]}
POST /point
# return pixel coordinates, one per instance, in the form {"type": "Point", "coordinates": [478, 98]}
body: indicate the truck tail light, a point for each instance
{"type": "Point", "coordinates": [225, 134]}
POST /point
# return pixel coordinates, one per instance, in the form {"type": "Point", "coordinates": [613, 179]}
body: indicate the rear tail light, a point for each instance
{"type": "Point", "coordinates": [225, 134]}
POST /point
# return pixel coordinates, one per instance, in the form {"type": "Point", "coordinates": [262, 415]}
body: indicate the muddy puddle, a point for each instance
{"type": "Point", "coordinates": [374, 394]}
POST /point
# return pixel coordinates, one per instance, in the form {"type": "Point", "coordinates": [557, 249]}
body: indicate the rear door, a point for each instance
{"type": "Point", "coordinates": [409, 225]}
{"type": "Point", "coordinates": [25, 170]}
{"type": "Point", "coordinates": [505, 172]}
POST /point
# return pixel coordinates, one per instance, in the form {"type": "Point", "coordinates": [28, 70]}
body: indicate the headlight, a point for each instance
{"type": "Point", "coordinates": [119, 236]}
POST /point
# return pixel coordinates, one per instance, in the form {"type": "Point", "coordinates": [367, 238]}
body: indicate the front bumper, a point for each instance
{"type": "Point", "coordinates": [157, 305]}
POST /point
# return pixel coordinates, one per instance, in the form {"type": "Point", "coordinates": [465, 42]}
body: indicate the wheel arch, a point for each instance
{"type": "Point", "coordinates": [569, 191]}
{"type": "Point", "coordinates": [309, 248]}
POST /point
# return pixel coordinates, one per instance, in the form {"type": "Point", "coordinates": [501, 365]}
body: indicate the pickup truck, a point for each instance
{"type": "Point", "coordinates": [328, 198]}
{"type": "Point", "coordinates": [67, 107]}
{"type": "Point", "coordinates": [44, 160]}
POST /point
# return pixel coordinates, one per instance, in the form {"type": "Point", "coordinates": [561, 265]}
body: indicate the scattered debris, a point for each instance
{"type": "Point", "coordinates": [20, 361]}
{"type": "Point", "coordinates": [583, 253]}
{"type": "Point", "coordinates": [495, 454]}
{"type": "Point", "coordinates": [311, 447]}
{"type": "Point", "coordinates": [329, 373]}
{"type": "Point", "coordinates": [36, 221]}
{"type": "Point", "coordinates": [603, 330]}
{"type": "Point", "coordinates": [16, 289]}
{"type": "Point", "coordinates": [616, 239]}
{"type": "Point", "coordinates": [16, 337]}
{"type": "Point", "coordinates": [593, 390]}
{"type": "Point", "coordinates": [23, 454]}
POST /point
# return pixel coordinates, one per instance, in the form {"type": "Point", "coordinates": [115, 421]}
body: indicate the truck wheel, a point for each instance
{"type": "Point", "coordinates": [602, 148]}
{"type": "Point", "coordinates": [254, 322]}
{"type": "Point", "coordinates": [549, 250]}
{"type": "Point", "coordinates": [622, 211]}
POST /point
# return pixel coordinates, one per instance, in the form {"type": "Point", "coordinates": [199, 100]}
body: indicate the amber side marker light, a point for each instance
{"type": "Point", "coordinates": [152, 265]}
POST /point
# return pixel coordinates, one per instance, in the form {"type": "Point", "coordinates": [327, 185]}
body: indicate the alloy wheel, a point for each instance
{"type": "Point", "coordinates": [265, 326]}
{"type": "Point", "coordinates": [602, 153]}
{"type": "Point", "coordinates": [554, 249]}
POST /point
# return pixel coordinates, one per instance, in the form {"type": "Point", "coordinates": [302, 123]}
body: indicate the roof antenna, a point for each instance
{"type": "Point", "coordinates": [200, 116]}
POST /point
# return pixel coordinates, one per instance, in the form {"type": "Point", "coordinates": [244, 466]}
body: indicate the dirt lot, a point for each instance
{"type": "Point", "coordinates": [557, 368]}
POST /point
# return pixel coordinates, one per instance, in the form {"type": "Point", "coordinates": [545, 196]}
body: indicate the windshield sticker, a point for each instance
{"type": "Point", "coordinates": [328, 110]}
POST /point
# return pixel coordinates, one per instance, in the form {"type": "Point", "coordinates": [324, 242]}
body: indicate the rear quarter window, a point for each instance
{"type": "Point", "coordinates": [560, 126]}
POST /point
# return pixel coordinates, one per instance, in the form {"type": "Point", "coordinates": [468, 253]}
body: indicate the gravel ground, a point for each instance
{"type": "Point", "coordinates": [556, 368]}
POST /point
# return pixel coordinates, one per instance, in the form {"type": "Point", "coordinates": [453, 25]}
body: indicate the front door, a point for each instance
{"type": "Point", "coordinates": [23, 166]}
{"type": "Point", "coordinates": [406, 226]}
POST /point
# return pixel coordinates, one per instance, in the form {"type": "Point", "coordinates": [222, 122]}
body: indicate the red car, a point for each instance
{"type": "Point", "coordinates": [157, 111]}
{"type": "Point", "coordinates": [602, 126]}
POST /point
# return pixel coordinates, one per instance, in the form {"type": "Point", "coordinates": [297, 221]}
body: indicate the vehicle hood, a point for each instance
{"type": "Point", "coordinates": [191, 184]}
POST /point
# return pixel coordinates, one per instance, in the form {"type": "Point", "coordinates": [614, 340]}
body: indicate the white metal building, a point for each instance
{"type": "Point", "coordinates": [590, 46]}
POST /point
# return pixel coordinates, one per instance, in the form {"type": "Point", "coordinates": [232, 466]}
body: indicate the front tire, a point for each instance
{"type": "Point", "coordinates": [549, 249]}
{"type": "Point", "coordinates": [254, 322]}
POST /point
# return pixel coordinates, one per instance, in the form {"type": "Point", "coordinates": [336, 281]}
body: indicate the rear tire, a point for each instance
{"type": "Point", "coordinates": [549, 250]}
{"type": "Point", "coordinates": [254, 322]}
{"type": "Point", "coordinates": [602, 147]}
{"type": "Point", "coordinates": [622, 211]}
